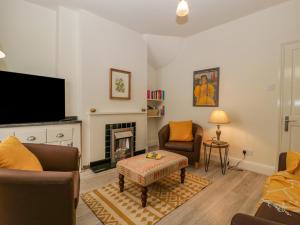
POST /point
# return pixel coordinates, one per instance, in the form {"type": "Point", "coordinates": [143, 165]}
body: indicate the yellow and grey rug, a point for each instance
{"type": "Point", "coordinates": [113, 207]}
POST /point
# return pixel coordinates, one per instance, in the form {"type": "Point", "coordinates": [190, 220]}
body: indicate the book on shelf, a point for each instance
{"type": "Point", "coordinates": [157, 94]}
{"type": "Point", "coordinates": [162, 111]}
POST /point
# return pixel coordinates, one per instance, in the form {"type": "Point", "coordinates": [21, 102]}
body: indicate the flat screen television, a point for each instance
{"type": "Point", "coordinates": [29, 98]}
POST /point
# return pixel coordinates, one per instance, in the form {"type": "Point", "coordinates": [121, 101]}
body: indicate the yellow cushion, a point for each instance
{"type": "Point", "coordinates": [293, 162]}
{"type": "Point", "coordinates": [181, 131]}
{"type": "Point", "coordinates": [14, 155]}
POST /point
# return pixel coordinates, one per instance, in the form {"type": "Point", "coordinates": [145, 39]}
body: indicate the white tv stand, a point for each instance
{"type": "Point", "coordinates": [66, 133]}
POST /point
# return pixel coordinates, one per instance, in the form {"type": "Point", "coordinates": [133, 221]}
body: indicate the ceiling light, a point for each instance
{"type": "Point", "coordinates": [2, 55]}
{"type": "Point", "coordinates": [182, 8]}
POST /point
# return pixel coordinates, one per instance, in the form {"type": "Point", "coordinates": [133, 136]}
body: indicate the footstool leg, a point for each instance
{"type": "Point", "coordinates": [144, 196]}
{"type": "Point", "coordinates": [121, 182]}
{"type": "Point", "coordinates": [182, 175]}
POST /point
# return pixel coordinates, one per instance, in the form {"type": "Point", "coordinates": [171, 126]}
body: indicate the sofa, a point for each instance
{"type": "Point", "coordinates": [42, 198]}
{"type": "Point", "coordinates": [268, 215]}
{"type": "Point", "coordinates": [190, 149]}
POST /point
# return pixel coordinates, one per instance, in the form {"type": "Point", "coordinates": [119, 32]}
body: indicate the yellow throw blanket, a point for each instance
{"type": "Point", "coordinates": [282, 189]}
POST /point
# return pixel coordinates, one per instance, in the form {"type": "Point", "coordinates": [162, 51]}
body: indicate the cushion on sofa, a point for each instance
{"type": "Point", "coordinates": [186, 146]}
{"type": "Point", "coordinates": [14, 155]}
{"type": "Point", "coordinates": [181, 130]}
{"type": "Point", "coordinates": [293, 162]}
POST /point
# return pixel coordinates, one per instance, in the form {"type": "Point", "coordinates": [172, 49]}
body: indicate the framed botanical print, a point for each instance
{"type": "Point", "coordinates": [206, 88]}
{"type": "Point", "coordinates": [120, 84]}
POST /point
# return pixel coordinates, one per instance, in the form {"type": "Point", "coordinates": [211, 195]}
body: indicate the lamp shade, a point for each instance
{"type": "Point", "coordinates": [2, 55]}
{"type": "Point", "coordinates": [219, 117]}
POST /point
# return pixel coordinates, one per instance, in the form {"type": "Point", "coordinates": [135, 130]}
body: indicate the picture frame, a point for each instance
{"type": "Point", "coordinates": [120, 84]}
{"type": "Point", "coordinates": [206, 85]}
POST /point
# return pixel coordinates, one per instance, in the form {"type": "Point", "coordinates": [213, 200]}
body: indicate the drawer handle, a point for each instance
{"type": "Point", "coordinates": [60, 135]}
{"type": "Point", "coordinates": [31, 138]}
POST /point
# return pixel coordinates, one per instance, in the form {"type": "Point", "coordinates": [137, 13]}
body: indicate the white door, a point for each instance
{"type": "Point", "coordinates": [290, 117]}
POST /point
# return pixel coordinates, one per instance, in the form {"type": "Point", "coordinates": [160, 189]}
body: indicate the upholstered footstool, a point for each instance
{"type": "Point", "coordinates": [144, 171]}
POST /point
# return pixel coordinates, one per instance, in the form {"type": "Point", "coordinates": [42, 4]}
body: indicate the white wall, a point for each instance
{"type": "Point", "coordinates": [152, 78]}
{"type": "Point", "coordinates": [248, 52]}
{"type": "Point", "coordinates": [153, 123]}
{"type": "Point", "coordinates": [104, 45]}
{"type": "Point", "coordinates": [162, 49]}
{"type": "Point", "coordinates": [28, 37]}
{"type": "Point", "coordinates": [81, 48]}
{"type": "Point", "coordinates": [68, 57]}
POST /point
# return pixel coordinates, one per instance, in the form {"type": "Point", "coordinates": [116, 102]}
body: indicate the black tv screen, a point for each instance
{"type": "Point", "coordinates": [29, 98]}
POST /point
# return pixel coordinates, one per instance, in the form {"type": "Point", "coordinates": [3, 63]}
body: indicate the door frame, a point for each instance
{"type": "Point", "coordinates": [281, 97]}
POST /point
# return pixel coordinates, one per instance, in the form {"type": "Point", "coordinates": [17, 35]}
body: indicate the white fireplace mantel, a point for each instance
{"type": "Point", "coordinates": [116, 113]}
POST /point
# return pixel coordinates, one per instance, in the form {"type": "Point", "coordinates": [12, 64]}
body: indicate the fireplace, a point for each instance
{"type": "Point", "coordinates": [121, 144]}
{"type": "Point", "coordinates": [111, 130]}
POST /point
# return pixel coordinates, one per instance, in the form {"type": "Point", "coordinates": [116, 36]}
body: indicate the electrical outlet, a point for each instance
{"type": "Point", "coordinates": [248, 152]}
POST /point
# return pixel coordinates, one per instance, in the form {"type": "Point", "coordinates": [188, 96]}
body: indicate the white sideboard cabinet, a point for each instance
{"type": "Point", "coordinates": [66, 133]}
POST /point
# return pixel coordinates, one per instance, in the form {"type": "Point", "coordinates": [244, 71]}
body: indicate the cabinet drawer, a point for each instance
{"type": "Point", "coordinates": [32, 136]}
{"type": "Point", "coordinates": [59, 134]}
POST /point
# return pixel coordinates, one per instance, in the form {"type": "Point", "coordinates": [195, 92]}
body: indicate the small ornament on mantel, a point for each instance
{"type": "Point", "coordinates": [93, 110]}
{"type": "Point", "coordinates": [143, 110]}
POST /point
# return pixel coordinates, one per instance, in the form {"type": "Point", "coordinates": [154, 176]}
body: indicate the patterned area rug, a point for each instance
{"type": "Point", "coordinates": [113, 207]}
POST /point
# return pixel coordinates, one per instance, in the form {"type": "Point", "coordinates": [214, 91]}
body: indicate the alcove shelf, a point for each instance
{"type": "Point", "coordinates": [155, 107]}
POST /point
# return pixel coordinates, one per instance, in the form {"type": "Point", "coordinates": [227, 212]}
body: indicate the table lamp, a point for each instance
{"type": "Point", "coordinates": [218, 117]}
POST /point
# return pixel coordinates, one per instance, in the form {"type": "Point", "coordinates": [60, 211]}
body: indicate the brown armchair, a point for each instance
{"type": "Point", "coordinates": [189, 149]}
{"type": "Point", "coordinates": [42, 198]}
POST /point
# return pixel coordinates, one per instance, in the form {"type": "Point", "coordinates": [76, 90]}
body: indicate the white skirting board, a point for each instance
{"type": "Point", "coordinates": [253, 166]}
{"type": "Point", "coordinates": [247, 165]}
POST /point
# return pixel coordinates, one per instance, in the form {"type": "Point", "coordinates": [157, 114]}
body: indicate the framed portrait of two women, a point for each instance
{"type": "Point", "coordinates": [206, 88]}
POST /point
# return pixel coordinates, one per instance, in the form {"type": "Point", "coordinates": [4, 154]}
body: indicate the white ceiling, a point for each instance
{"type": "Point", "coordinates": [158, 16]}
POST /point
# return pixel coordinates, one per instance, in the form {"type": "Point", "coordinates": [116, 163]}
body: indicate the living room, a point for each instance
{"type": "Point", "coordinates": [128, 74]}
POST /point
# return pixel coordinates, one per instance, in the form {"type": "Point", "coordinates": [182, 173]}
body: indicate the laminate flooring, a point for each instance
{"type": "Point", "coordinates": [237, 191]}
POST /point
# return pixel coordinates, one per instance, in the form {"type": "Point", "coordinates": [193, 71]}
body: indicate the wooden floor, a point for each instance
{"type": "Point", "coordinates": [237, 191]}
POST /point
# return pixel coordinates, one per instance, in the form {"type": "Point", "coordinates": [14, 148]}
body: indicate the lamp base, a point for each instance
{"type": "Point", "coordinates": [218, 132]}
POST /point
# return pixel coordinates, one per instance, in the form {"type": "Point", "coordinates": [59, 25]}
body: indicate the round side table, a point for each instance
{"type": "Point", "coordinates": [209, 145]}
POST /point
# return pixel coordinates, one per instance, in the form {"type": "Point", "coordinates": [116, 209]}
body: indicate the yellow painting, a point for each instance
{"type": "Point", "coordinates": [206, 88]}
